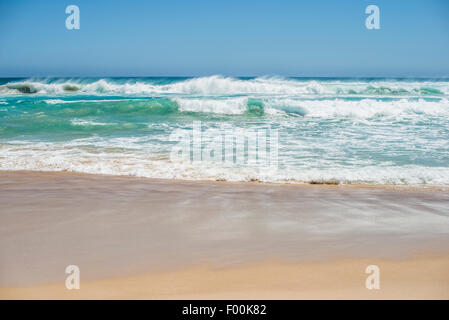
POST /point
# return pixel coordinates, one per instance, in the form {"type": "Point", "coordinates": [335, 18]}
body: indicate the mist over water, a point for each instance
{"type": "Point", "coordinates": [369, 131]}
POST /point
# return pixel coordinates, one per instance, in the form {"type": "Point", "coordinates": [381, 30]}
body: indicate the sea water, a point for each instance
{"type": "Point", "coordinates": [349, 131]}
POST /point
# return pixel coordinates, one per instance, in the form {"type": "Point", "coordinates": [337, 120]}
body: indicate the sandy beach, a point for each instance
{"type": "Point", "coordinates": [413, 278]}
{"type": "Point", "coordinates": [138, 238]}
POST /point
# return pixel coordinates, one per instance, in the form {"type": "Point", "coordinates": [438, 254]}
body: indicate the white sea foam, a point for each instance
{"type": "Point", "coordinates": [58, 101]}
{"type": "Point", "coordinates": [218, 85]}
{"type": "Point", "coordinates": [62, 157]}
{"type": "Point", "coordinates": [81, 122]}
{"type": "Point", "coordinates": [333, 108]}
{"type": "Point", "coordinates": [225, 106]}
{"type": "Point", "coordinates": [365, 108]}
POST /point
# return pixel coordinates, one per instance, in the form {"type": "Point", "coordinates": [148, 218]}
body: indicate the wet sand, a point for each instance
{"type": "Point", "coordinates": [217, 240]}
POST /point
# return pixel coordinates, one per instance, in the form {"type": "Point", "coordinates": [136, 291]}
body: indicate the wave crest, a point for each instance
{"type": "Point", "coordinates": [219, 85]}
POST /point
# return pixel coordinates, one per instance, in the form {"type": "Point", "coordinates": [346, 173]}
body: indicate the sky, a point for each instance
{"type": "Point", "coordinates": [319, 38]}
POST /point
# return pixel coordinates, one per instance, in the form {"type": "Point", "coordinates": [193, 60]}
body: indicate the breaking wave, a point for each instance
{"type": "Point", "coordinates": [373, 131]}
{"type": "Point", "coordinates": [218, 85]}
{"type": "Point", "coordinates": [328, 108]}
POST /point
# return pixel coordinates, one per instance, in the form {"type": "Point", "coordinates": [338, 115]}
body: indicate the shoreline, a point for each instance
{"type": "Point", "coordinates": [331, 184]}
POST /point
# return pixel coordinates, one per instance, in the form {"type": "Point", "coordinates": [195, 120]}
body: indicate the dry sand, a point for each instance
{"type": "Point", "coordinates": [414, 278]}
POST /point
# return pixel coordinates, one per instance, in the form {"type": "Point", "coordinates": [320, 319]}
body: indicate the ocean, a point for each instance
{"type": "Point", "coordinates": [329, 130]}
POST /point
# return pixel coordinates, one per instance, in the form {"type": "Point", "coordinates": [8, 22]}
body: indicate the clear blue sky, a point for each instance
{"type": "Point", "coordinates": [229, 37]}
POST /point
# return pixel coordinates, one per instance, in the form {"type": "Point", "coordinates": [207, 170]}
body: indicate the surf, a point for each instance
{"type": "Point", "coordinates": [220, 85]}
{"type": "Point", "coordinates": [331, 131]}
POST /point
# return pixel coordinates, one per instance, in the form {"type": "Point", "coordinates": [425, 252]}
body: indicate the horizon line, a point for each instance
{"type": "Point", "coordinates": [225, 76]}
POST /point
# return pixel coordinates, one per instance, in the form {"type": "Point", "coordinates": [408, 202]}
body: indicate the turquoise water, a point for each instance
{"type": "Point", "coordinates": [372, 131]}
